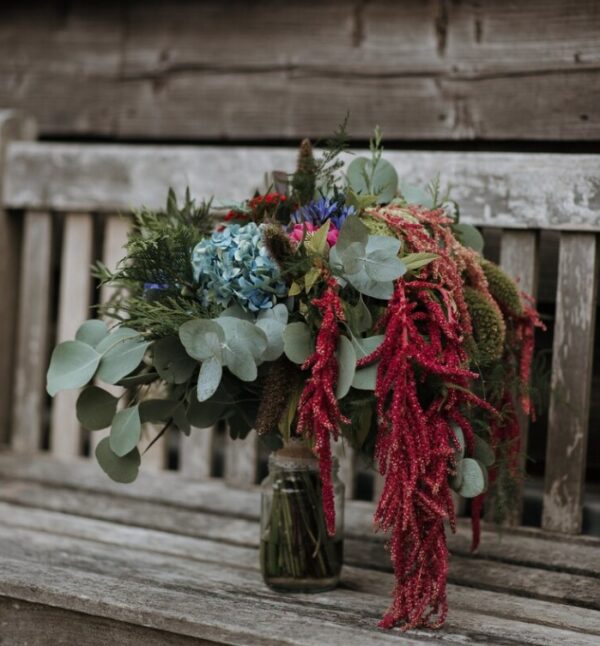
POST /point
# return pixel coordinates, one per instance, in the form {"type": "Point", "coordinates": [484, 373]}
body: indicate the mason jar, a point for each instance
{"type": "Point", "coordinates": [296, 552]}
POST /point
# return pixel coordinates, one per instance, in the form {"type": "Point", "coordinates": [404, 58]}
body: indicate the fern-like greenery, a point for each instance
{"type": "Point", "coordinates": [154, 283]}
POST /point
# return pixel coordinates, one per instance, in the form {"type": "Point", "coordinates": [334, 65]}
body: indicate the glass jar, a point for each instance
{"type": "Point", "coordinates": [296, 553]}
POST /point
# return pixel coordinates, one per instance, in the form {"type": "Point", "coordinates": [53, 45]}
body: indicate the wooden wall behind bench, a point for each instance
{"type": "Point", "coordinates": [219, 69]}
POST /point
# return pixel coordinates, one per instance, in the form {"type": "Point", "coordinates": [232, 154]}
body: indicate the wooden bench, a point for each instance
{"type": "Point", "coordinates": [172, 559]}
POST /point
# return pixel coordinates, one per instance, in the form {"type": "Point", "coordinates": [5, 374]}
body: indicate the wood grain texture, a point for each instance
{"type": "Point", "coordinates": [74, 301]}
{"type": "Point", "coordinates": [571, 382]}
{"type": "Point", "coordinates": [519, 259]}
{"type": "Point", "coordinates": [12, 127]}
{"type": "Point", "coordinates": [241, 460]}
{"type": "Point", "coordinates": [195, 453]}
{"type": "Point", "coordinates": [82, 553]}
{"type": "Point", "coordinates": [423, 70]}
{"type": "Point", "coordinates": [511, 190]}
{"type": "Point", "coordinates": [31, 362]}
{"type": "Point", "coordinates": [20, 623]}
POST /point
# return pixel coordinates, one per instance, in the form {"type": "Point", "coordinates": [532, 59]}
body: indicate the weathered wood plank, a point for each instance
{"type": "Point", "coordinates": [451, 70]}
{"type": "Point", "coordinates": [218, 615]}
{"type": "Point", "coordinates": [73, 308]}
{"type": "Point", "coordinates": [571, 382]}
{"type": "Point", "coordinates": [195, 453]}
{"type": "Point", "coordinates": [519, 259]}
{"type": "Point", "coordinates": [12, 127]}
{"type": "Point", "coordinates": [20, 623]}
{"type": "Point", "coordinates": [479, 621]}
{"type": "Point", "coordinates": [484, 575]}
{"type": "Point", "coordinates": [512, 190]}
{"type": "Point", "coordinates": [523, 546]}
{"type": "Point", "coordinates": [241, 460]}
{"type": "Point", "coordinates": [34, 329]}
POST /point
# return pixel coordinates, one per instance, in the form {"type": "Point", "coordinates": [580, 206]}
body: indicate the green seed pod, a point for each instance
{"type": "Point", "coordinates": [487, 343]}
{"type": "Point", "coordinates": [503, 289]}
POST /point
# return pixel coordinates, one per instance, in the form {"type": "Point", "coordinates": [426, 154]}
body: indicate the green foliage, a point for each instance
{"type": "Point", "coordinates": [158, 254]}
{"type": "Point", "coordinates": [125, 431]}
{"type": "Point", "coordinates": [96, 408]}
{"type": "Point", "coordinates": [171, 361]}
{"type": "Point", "coordinates": [346, 357]}
{"type": "Point", "coordinates": [468, 236]}
{"type": "Point", "coordinates": [120, 469]}
{"type": "Point", "coordinates": [72, 365]}
{"type": "Point", "coordinates": [373, 177]}
{"type": "Point", "coordinates": [92, 332]}
{"type": "Point", "coordinates": [122, 351]}
{"type": "Point", "coordinates": [471, 478]}
{"type": "Point", "coordinates": [298, 343]}
{"type": "Point", "coordinates": [369, 263]}
{"type": "Point", "coordinates": [365, 378]}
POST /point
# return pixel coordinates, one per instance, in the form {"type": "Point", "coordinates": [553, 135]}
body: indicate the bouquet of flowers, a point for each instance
{"type": "Point", "coordinates": [337, 306]}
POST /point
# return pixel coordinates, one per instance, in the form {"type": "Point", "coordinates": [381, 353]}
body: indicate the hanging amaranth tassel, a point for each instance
{"type": "Point", "coordinates": [319, 413]}
{"type": "Point", "coordinates": [416, 445]}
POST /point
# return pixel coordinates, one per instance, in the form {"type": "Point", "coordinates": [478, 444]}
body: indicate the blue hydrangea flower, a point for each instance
{"type": "Point", "coordinates": [233, 266]}
{"type": "Point", "coordinates": [319, 211]}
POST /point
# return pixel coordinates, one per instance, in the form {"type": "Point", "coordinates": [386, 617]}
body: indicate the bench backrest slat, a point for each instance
{"type": "Point", "coordinates": [519, 258]}
{"type": "Point", "coordinates": [33, 332]}
{"type": "Point", "coordinates": [74, 302]}
{"type": "Point", "coordinates": [572, 359]}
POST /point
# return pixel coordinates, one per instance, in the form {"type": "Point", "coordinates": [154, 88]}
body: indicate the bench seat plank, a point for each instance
{"type": "Point", "coordinates": [215, 588]}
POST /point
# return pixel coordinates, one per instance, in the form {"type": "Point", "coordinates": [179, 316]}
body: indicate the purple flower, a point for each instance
{"type": "Point", "coordinates": [319, 211]}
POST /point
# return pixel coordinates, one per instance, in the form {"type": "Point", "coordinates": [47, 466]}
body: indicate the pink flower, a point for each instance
{"type": "Point", "coordinates": [298, 231]}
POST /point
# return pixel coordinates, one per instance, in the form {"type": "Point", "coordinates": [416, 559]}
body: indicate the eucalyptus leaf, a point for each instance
{"type": "Point", "coordinates": [241, 363]}
{"type": "Point", "coordinates": [353, 230]}
{"type": "Point", "coordinates": [207, 413]}
{"type": "Point", "coordinates": [483, 452]}
{"type": "Point", "coordinates": [416, 195]}
{"type": "Point", "coordinates": [156, 410]}
{"type": "Point", "coordinates": [346, 357]}
{"type": "Point", "coordinates": [243, 336]}
{"type": "Point", "coordinates": [473, 478]}
{"type": "Point", "coordinates": [120, 469]}
{"type": "Point", "coordinates": [237, 312]}
{"type": "Point", "coordinates": [171, 361]}
{"type": "Point", "coordinates": [359, 317]}
{"type": "Point", "coordinates": [92, 332]}
{"type": "Point", "coordinates": [469, 236]}
{"type": "Point", "coordinates": [96, 408]}
{"type": "Point", "coordinates": [369, 287]}
{"type": "Point", "coordinates": [125, 431]}
{"type": "Point", "coordinates": [381, 262]}
{"type": "Point", "coordinates": [298, 343]}
{"type": "Point", "coordinates": [366, 378]}
{"type": "Point", "coordinates": [72, 365]}
{"type": "Point", "coordinates": [209, 378]}
{"type": "Point", "coordinates": [273, 330]}
{"type": "Point", "coordinates": [380, 180]}
{"type": "Point", "coordinates": [122, 352]}
{"type": "Point", "coordinates": [202, 338]}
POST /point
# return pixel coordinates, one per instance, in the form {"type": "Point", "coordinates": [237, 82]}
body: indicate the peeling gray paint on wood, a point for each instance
{"type": "Point", "coordinates": [571, 382]}
{"type": "Point", "coordinates": [510, 190]}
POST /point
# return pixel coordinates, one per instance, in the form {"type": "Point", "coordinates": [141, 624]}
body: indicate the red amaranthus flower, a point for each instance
{"type": "Point", "coordinates": [415, 447]}
{"type": "Point", "coordinates": [319, 413]}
